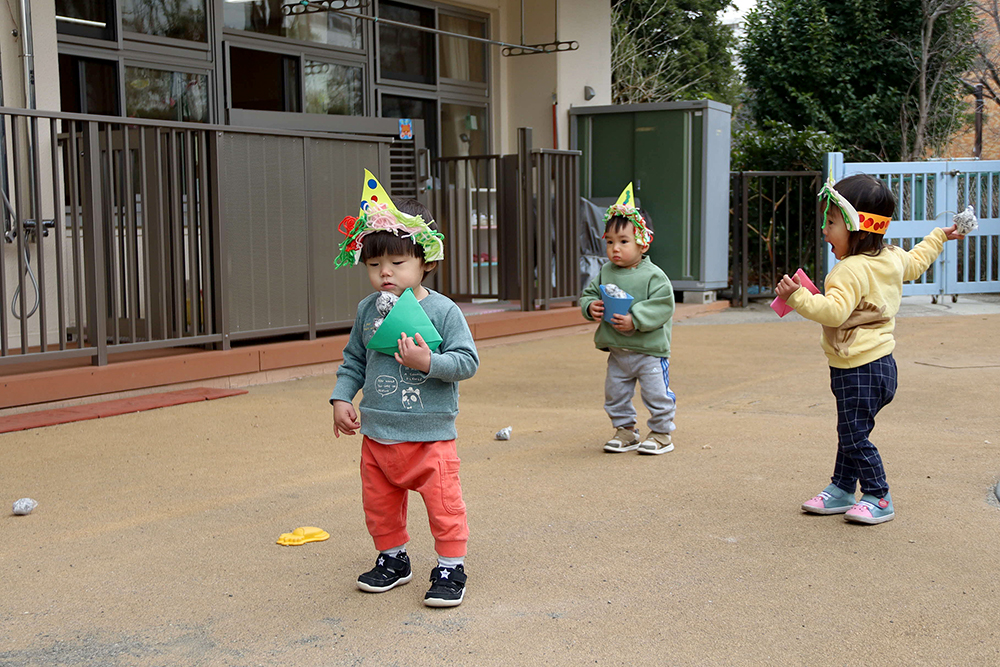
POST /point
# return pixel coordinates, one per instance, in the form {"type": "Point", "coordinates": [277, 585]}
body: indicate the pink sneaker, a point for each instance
{"type": "Point", "coordinates": [871, 510]}
{"type": "Point", "coordinates": [831, 500]}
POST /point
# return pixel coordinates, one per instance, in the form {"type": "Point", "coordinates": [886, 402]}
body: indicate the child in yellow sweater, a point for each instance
{"type": "Point", "coordinates": [857, 311]}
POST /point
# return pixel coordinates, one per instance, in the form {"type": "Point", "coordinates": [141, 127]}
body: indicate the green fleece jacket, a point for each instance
{"type": "Point", "coordinates": [861, 298]}
{"type": "Point", "coordinates": [652, 311]}
{"type": "Point", "coordinates": [400, 403]}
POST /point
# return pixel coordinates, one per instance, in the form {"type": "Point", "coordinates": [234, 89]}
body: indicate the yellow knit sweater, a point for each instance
{"type": "Point", "coordinates": [858, 309]}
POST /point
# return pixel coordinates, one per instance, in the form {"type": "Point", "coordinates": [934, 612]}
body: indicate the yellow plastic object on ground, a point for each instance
{"type": "Point", "coordinates": [303, 535]}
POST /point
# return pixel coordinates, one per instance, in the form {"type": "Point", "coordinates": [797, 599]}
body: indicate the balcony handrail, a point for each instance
{"type": "Point", "coordinates": [798, 173]}
{"type": "Point", "coordinates": [179, 125]}
{"type": "Point", "coordinates": [554, 151]}
{"type": "Point", "coordinates": [457, 158]}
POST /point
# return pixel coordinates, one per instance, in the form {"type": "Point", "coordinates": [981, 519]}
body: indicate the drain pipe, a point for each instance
{"type": "Point", "coordinates": [28, 58]}
{"type": "Point", "coordinates": [27, 54]}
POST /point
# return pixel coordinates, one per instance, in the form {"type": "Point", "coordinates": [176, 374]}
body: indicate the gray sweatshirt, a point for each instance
{"type": "Point", "coordinates": [400, 403]}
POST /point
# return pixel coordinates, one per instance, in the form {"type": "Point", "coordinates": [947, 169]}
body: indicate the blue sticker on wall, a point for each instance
{"type": "Point", "coordinates": [405, 128]}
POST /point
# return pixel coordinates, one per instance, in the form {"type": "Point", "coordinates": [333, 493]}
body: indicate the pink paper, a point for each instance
{"type": "Point", "coordinates": [779, 306]}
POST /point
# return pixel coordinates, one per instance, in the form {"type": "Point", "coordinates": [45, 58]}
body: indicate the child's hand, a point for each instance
{"type": "Point", "coordinates": [623, 323]}
{"type": "Point", "coordinates": [786, 286]}
{"type": "Point", "coordinates": [952, 233]}
{"type": "Point", "coordinates": [414, 353]}
{"type": "Point", "coordinates": [596, 309]}
{"type": "Point", "coordinates": [345, 419]}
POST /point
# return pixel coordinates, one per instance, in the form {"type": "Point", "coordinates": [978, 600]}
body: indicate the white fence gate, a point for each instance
{"type": "Point", "coordinates": [928, 194]}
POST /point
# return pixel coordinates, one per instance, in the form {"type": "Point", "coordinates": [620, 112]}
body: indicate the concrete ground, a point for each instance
{"type": "Point", "coordinates": [154, 539]}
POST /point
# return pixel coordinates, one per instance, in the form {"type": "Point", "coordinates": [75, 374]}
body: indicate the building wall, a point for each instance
{"type": "Point", "coordinates": [531, 79]}
{"type": "Point", "coordinates": [43, 20]}
{"type": "Point", "coordinates": [524, 87]}
{"type": "Point", "coordinates": [589, 23]}
{"type": "Point", "coordinates": [46, 66]}
{"type": "Point", "coordinates": [523, 90]}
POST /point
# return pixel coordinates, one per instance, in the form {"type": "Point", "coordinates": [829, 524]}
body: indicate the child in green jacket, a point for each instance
{"type": "Point", "coordinates": [637, 341]}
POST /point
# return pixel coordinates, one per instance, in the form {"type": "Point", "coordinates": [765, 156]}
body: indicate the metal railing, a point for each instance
{"type": "Point", "coordinates": [775, 228]}
{"type": "Point", "coordinates": [511, 225]}
{"type": "Point", "coordinates": [124, 209]}
{"type": "Point", "coordinates": [551, 232]}
{"type": "Point", "coordinates": [470, 215]}
{"type": "Point", "coordinates": [125, 235]}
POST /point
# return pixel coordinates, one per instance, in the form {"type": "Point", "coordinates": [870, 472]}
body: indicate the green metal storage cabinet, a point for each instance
{"type": "Point", "coordinates": [676, 154]}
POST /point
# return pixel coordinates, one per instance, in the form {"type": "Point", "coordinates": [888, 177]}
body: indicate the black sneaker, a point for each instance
{"type": "Point", "coordinates": [389, 572]}
{"type": "Point", "coordinates": [447, 587]}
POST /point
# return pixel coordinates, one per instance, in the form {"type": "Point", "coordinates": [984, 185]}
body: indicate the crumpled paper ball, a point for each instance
{"type": "Point", "coordinates": [24, 506]}
{"type": "Point", "coordinates": [504, 433]}
{"type": "Point", "coordinates": [615, 291]}
{"type": "Point", "coordinates": [385, 302]}
{"type": "Point", "coordinates": [965, 221]}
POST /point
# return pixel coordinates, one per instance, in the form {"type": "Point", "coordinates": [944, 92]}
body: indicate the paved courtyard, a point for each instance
{"type": "Point", "coordinates": [154, 539]}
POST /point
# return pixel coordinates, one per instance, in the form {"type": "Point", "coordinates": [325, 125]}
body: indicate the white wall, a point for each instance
{"type": "Point", "coordinates": [589, 23]}
{"type": "Point", "coordinates": [46, 64]}
{"type": "Point", "coordinates": [43, 21]}
{"type": "Point", "coordinates": [524, 86]}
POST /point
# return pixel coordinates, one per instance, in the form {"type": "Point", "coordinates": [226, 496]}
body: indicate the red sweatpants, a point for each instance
{"type": "Point", "coordinates": [389, 472]}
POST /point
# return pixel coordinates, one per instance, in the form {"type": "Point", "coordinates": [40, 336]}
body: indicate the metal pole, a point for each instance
{"type": "Point", "coordinates": [977, 152]}
{"type": "Point", "coordinates": [555, 27]}
{"type": "Point", "coordinates": [525, 227]}
{"type": "Point", "coordinates": [93, 245]}
{"type": "Point", "coordinates": [27, 46]}
{"type": "Point", "coordinates": [435, 31]}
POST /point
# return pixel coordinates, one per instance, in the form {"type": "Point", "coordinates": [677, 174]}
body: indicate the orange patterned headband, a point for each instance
{"type": "Point", "coordinates": [855, 221]}
{"type": "Point", "coordinates": [871, 222]}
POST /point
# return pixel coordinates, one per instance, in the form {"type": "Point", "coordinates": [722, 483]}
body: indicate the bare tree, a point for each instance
{"type": "Point", "coordinates": [986, 70]}
{"type": "Point", "coordinates": [939, 57]}
{"type": "Point", "coordinates": [644, 62]}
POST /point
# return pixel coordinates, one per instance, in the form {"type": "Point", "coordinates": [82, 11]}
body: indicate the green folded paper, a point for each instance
{"type": "Point", "coordinates": [406, 316]}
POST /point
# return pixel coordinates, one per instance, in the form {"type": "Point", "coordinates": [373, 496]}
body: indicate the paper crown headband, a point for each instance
{"type": "Point", "coordinates": [856, 221]}
{"type": "Point", "coordinates": [625, 207]}
{"type": "Point", "coordinates": [379, 214]}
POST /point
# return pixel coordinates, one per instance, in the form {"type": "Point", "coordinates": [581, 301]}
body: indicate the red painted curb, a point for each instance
{"type": "Point", "coordinates": [121, 406]}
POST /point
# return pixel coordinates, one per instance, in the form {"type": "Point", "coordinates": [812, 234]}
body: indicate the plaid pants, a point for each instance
{"type": "Point", "coordinates": [861, 392]}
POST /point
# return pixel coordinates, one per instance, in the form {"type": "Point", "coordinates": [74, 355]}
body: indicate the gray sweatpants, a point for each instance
{"type": "Point", "coordinates": [653, 374]}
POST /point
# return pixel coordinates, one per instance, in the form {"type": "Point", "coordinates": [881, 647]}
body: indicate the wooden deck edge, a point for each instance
{"type": "Point", "coordinates": [57, 385]}
{"type": "Point", "coordinates": [42, 418]}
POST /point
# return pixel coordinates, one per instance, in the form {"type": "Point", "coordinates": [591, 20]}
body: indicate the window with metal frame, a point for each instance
{"type": "Point", "coordinates": [263, 80]}
{"type": "Point", "coordinates": [177, 19]}
{"type": "Point", "coordinates": [166, 95]}
{"type": "Point", "coordinates": [88, 85]}
{"type": "Point", "coordinates": [86, 18]}
{"type": "Point", "coordinates": [265, 17]}
{"type": "Point", "coordinates": [405, 54]}
{"type": "Point", "coordinates": [463, 60]}
{"type": "Point", "coordinates": [333, 88]}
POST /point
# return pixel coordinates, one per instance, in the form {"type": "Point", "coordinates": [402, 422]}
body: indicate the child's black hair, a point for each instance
{"type": "Point", "coordinates": [377, 244]}
{"type": "Point", "coordinates": [619, 222]}
{"type": "Point", "coordinates": [870, 195]}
